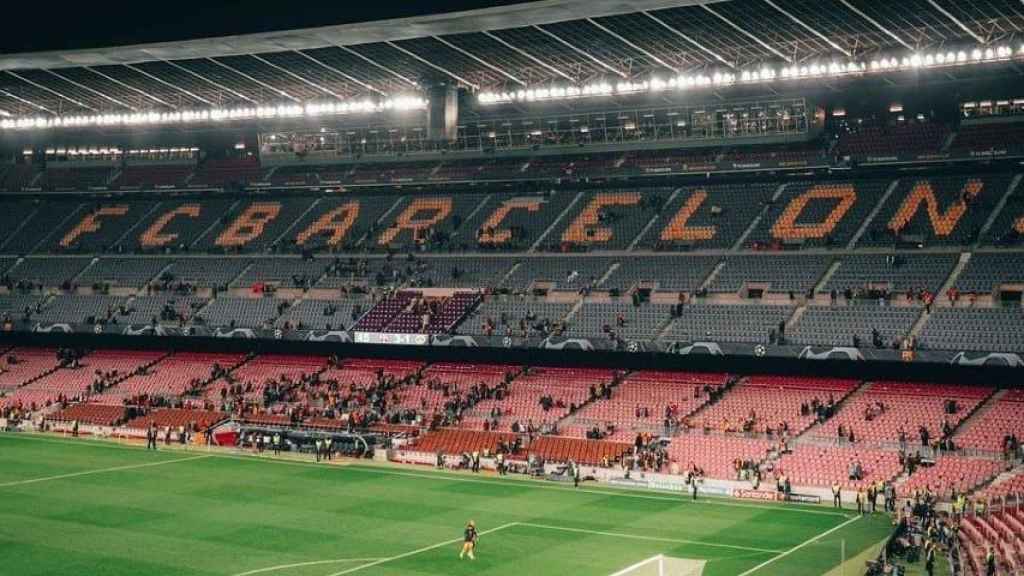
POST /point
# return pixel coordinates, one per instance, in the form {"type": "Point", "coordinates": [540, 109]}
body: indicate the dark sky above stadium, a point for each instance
{"type": "Point", "coordinates": [72, 25]}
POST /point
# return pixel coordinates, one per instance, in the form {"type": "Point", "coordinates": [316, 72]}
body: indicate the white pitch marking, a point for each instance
{"type": "Point", "coordinates": [799, 546]}
{"type": "Point", "coordinates": [651, 538]}
{"type": "Point", "coordinates": [101, 471]}
{"type": "Point", "coordinates": [419, 551]}
{"type": "Point", "coordinates": [302, 564]}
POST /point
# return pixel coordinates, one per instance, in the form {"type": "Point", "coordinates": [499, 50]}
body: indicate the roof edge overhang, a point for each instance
{"type": "Point", "coordinates": [497, 18]}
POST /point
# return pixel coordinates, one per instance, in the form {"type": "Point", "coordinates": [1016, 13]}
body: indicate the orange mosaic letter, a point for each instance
{"type": "Point", "coordinates": [249, 225]}
{"type": "Point", "coordinates": [437, 208]}
{"type": "Point", "coordinates": [337, 221]}
{"type": "Point", "coordinates": [786, 227]}
{"type": "Point", "coordinates": [589, 219]}
{"type": "Point", "coordinates": [91, 223]}
{"type": "Point", "coordinates": [489, 232]}
{"type": "Point", "coordinates": [154, 237]}
{"type": "Point", "coordinates": [942, 223]}
{"type": "Point", "coordinates": [678, 230]}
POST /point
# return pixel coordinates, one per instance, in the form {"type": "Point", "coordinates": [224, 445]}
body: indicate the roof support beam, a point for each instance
{"type": "Point", "coordinates": [639, 49]}
{"type": "Point", "coordinates": [686, 37]}
{"type": "Point", "coordinates": [581, 52]}
{"type": "Point", "coordinates": [876, 24]}
{"type": "Point", "coordinates": [208, 81]}
{"type": "Point", "coordinates": [379, 65]}
{"type": "Point", "coordinates": [52, 91]}
{"type": "Point", "coordinates": [24, 101]}
{"type": "Point", "coordinates": [169, 85]}
{"type": "Point", "coordinates": [956, 21]}
{"type": "Point", "coordinates": [274, 89]}
{"type": "Point", "coordinates": [330, 68]}
{"type": "Point", "coordinates": [309, 83]}
{"type": "Point", "coordinates": [533, 58]}
{"type": "Point", "coordinates": [805, 26]}
{"type": "Point", "coordinates": [130, 87]}
{"type": "Point", "coordinates": [432, 65]}
{"type": "Point", "coordinates": [480, 60]}
{"type": "Point", "coordinates": [746, 33]}
{"type": "Point", "coordinates": [96, 92]}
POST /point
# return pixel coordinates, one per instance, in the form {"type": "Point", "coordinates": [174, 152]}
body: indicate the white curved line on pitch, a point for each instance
{"type": "Point", "coordinates": [303, 564]}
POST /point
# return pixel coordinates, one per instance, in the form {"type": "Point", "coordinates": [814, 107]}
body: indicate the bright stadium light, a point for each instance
{"type": "Point", "coordinates": [807, 70]}
{"type": "Point", "coordinates": [400, 103]}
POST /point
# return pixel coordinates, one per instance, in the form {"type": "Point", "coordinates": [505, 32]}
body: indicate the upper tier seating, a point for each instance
{"type": "Point", "coordinates": [449, 312]}
{"type": "Point", "coordinates": [13, 216]}
{"type": "Point", "coordinates": [765, 402]}
{"type": "Point", "coordinates": [727, 323]}
{"type": "Point", "coordinates": [989, 429]}
{"type": "Point", "coordinates": [146, 176]}
{"type": "Point", "coordinates": [980, 329]}
{"type": "Point", "coordinates": [706, 217]}
{"type": "Point", "coordinates": [204, 272]}
{"type": "Point", "coordinates": [60, 177]}
{"type": "Point", "coordinates": [177, 225]}
{"type": "Point", "coordinates": [608, 220]}
{"type": "Point", "coordinates": [428, 222]}
{"type": "Point", "coordinates": [837, 325]}
{"type": "Point", "coordinates": [895, 273]}
{"type": "Point", "coordinates": [986, 272]}
{"type": "Point", "coordinates": [781, 274]}
{"type": "Point", "coordinates": [339, 223]}
{"type": "Point", "coordinates": [506, 222]}
{"type": "Point", "coordinates": [903, 139]}
{"type": "Point", "coordinates": [282, 272]}
{"type": "Point", "coordinates": [995, 137]}
{"type": "Point", "coordinates": [463, 272]}
{"type": "Point", "coordinates": [226, 172]}
{"type": "Point", "coordinates": [162, 308]}
{"type": "Point", "coordinates": [813, 213]}
{"type": "Point", "coordinates": [255, 225]}
{"type": "Point", "coordinates": [939, 210]}
{"type": "Point", "coordinates": [904, 406]}
{"type": "Point", "coordinates": [825, 466]}
{"type": "Point", "coordinates": [17, 176]}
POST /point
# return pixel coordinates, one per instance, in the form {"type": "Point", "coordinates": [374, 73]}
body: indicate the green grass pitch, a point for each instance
{"type": "Point", "coordinates": [88, 507]}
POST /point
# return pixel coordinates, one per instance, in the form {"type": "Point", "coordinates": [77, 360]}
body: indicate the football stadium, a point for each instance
{"type": "Point", "coordinates": [563, 287]}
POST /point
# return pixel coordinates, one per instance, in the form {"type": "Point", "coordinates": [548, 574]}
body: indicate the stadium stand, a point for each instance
{"type": "Point", "coordinates": [951, 475]}
{"type": "Point", "coordinates": [980, 329]}
{"type": "Point", "coordinates": [98, 414]}
{"type": "Point", "coordinates": [896, 140]}
{"type": "Point", "coordinates": [664, 274]}
{"type": "Point", "coordinates": [854, 325]}
{"type": "Point", "coordinates": [123, 272]}
{"type": "Point", "coordinates": [988, 272]}
{"type": "Point", "coordinates": [706, 217]}
{"type": "Point", "coordinates": [872, 274]}
{"type": "Point", "coordinates": [994, 425]}
{"type": "Point", "coordinates": [777, 274]}
{"type": "Point", "coordinates": [153, 176]}
{"type": "Point", "coordinates": [824, 466]}
{"type": "Point", "coordinates": [749, 323]}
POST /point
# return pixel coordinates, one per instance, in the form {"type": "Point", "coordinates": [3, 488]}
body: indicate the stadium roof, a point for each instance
{"type": "Point", "coordinates": [571, 42]}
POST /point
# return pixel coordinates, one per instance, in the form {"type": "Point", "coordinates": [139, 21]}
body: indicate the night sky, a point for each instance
{"type": "Point", "coordinates": [74, 25]}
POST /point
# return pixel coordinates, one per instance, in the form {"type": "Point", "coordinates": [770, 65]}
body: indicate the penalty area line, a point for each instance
{"type": "Point", "coordinates": [807, 542]}
{"type": "Point", "coordinates": [304, 564]}
{"type": "Point", "coordinates": [652, 538]}
{"type": "Point", "coordinates": [418, 551]}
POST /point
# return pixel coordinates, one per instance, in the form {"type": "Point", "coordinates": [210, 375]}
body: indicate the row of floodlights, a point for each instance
{"type": "Point", "coordinates": [312, 109]}
{"type": "Point", "coordinates": [762, 74]}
